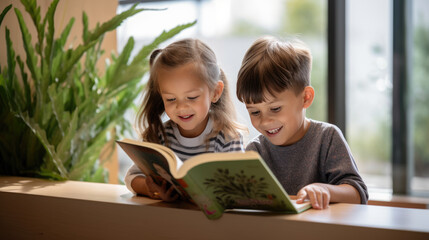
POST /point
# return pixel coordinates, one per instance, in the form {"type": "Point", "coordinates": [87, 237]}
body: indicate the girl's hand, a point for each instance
{"type": "Point", "coordinates": [317, 193]}
{"type": "Point", "coordinates": [161, 192]}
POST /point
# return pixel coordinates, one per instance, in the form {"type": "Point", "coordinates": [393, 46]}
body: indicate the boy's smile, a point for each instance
{"type": "Point", "coordinates": [273, 132]}
{"type": "Point", "coordinates": [281, 118]}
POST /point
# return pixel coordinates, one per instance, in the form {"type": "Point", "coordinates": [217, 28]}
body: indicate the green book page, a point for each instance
{"type": "Point", "coordinates": [245, 184]}
{"type": "Point", "coordinates": [210, 207]}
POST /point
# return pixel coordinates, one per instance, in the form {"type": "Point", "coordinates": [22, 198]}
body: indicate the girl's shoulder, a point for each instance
{"type": "Point", "coordinates": [228, 143]}
{"type": "Point", "coordinates": [168, 124]}
{"type": "Point", "coordinates": [169, 132]}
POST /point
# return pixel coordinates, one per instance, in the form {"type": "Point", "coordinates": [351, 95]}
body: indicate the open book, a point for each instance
{"type": "Point", "coordinates": [215, 181]}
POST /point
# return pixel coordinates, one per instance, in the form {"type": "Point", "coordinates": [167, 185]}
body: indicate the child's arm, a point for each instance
{"type": "Point", "coordinates": [146, 186]}
{"type": "Point", "coordinates": [321, 194]}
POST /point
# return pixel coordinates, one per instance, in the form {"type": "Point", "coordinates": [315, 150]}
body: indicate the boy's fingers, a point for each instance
{"type": "Point", "coordinates": [313, 198]}
{"type": "Point", "coordinates": [319, 195]}
{"type": "Point", "coordinates": [302, 194]}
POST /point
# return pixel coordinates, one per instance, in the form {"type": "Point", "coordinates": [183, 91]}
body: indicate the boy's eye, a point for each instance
{"type": "Point", "coordinates": [276, 109]}
{"type": "Point", "coordinates": [193, 98]}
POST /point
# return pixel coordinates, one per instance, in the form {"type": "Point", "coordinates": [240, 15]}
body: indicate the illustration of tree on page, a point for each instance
{"type": "Point", "coordinates": [215, 181]}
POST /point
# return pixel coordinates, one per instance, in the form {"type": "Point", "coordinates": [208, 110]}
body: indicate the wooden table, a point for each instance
{"type": "Point", "coordinates": [39, 209]}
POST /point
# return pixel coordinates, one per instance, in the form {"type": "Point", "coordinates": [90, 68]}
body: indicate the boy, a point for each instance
{"type": "Point", "coordinates": [311, 159]}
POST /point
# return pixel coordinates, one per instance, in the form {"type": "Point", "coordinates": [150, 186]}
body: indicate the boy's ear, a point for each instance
{"type": "Point", "coordinates": [308, 95]}
{"type": "Point", "coordinates": [218, 91]}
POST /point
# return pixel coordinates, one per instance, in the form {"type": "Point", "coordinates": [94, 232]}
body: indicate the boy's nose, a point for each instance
{"type": "Point", "coordinates": [266, 120]}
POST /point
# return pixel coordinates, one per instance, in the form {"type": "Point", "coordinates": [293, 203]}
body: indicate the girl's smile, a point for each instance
{"type": "Point", "coordinates": [186, 118]}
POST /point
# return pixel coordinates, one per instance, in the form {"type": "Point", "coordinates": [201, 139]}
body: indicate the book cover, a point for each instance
{"type": "Point", "coordinates": [215, 181]}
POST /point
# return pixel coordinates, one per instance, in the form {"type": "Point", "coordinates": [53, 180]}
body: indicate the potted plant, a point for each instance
{"type": "Point", "coordinates": [57, 112]}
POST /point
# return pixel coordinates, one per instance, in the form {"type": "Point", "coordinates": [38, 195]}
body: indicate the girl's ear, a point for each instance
{"type": "Point", "coordinates": [218, 91]}
{"type": "Point", "coordinates": [308, 95]}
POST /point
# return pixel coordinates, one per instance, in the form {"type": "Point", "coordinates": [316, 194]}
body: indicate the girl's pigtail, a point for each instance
{"type": "Point", "coordinates": [149, 122]}
{"type": "Point", "coordinates": [153, 56]}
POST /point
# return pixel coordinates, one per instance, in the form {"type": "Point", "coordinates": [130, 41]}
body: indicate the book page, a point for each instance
{"type": "Point", "coordinates": [243, 184]}
{"type": "Point", "coordinates": [154, 160]}
{"type": "Point", "coordinates": [214, 157]}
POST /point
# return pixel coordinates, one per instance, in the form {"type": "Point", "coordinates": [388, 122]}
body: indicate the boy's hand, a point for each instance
{"type": "Point", "coordinates": [161, 192]}
{"type": "Point", "coordinates": [317, 193]}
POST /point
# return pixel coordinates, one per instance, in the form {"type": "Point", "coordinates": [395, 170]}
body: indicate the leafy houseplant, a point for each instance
{"type": "Point", "coordinates": [56, 113]}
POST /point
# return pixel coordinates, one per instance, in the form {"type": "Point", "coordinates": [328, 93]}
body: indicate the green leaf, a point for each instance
{"type": "Point", "coordinates": [41, 135]}
{"type": "Point", "coordinates": [57, 104]}
{"type": "Point", "coordinates": [4, 12]}
{"type": "Point", "coordinates": [31, 57]}
{"type": "Point", "coordinates": [64, 35]}
{"type": "Point", "coordinates": [74, 58]}
{"type": "Point", "coordinates": [85, 33]}
{"type": "Point", "coordinates": [10, 65]}
{"type": "Point", "coordinates": [100, 176]}
{"type": "Point", "coordinates": [112, 24]}
{"type": "Point", "coordinates": [68, 144]}
{"type": "Point", "coordinates": [115, 70]}
{"type": "Point", "coordinates": [27, 90]}
{"type": "Point", "coordinates": [34, 11]}
{"type": "Point", "coordinates": [51, 31]}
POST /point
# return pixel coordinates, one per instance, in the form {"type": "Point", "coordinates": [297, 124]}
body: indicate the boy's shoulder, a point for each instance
{"type": "Point", "coordinates": [324, 128]}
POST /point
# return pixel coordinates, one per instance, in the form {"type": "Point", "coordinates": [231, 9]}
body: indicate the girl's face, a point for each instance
{"type": "Point", "coordinates": [281, 118]}
{"type": "Point", "coordinates": [187, 98]}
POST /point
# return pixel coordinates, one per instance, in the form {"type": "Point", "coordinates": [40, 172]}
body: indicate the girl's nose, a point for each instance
{"type": "Point", "coordinates": [181, 104]}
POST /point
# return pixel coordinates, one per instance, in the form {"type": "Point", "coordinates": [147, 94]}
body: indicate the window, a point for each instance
{"type": "Point", "coordinates": [371, 101]}
{"type": "Point", "coordinates": [419, 97]}
{"type": "Point", "coordinates": [369, 89]}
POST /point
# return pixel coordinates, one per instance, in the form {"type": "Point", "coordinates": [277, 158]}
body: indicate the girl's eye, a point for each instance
{"type": "Point", "coordinates": [170, 99]}
{"type": "Point", "coordinates": [254, 113]}
{"type": "Point", "coordinates": [276, 109]}
{"type": "Point", "coordinates": [193, 98]}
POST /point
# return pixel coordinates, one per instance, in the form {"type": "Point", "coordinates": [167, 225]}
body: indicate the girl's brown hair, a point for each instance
{"type": "Point", "coordinates": [149, 123]}
{"type": "Point", "coordinates": [271, 66]}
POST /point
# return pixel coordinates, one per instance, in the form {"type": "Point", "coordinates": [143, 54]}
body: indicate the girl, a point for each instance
{"type": "Point", "coordinates": [187, 84]}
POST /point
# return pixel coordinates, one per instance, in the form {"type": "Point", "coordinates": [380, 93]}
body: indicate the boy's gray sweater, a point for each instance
{"type": "Point", "coordinates": [322, 156]}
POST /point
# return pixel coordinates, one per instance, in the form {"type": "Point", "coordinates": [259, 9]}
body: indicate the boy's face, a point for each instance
{"type": "Point", "coordinates": [281, 118]}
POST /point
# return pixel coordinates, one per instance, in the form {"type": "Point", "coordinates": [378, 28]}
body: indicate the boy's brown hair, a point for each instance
{"type": "Point", "coordinates": [272, 66]}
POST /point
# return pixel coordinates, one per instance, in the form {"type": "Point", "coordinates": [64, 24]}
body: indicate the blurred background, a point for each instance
{"type": "Point", "coordinates": [230, 26]}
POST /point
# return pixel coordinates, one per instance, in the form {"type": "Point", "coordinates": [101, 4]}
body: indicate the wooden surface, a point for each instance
{"type": "Point", "coordinates": [40, 209]}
